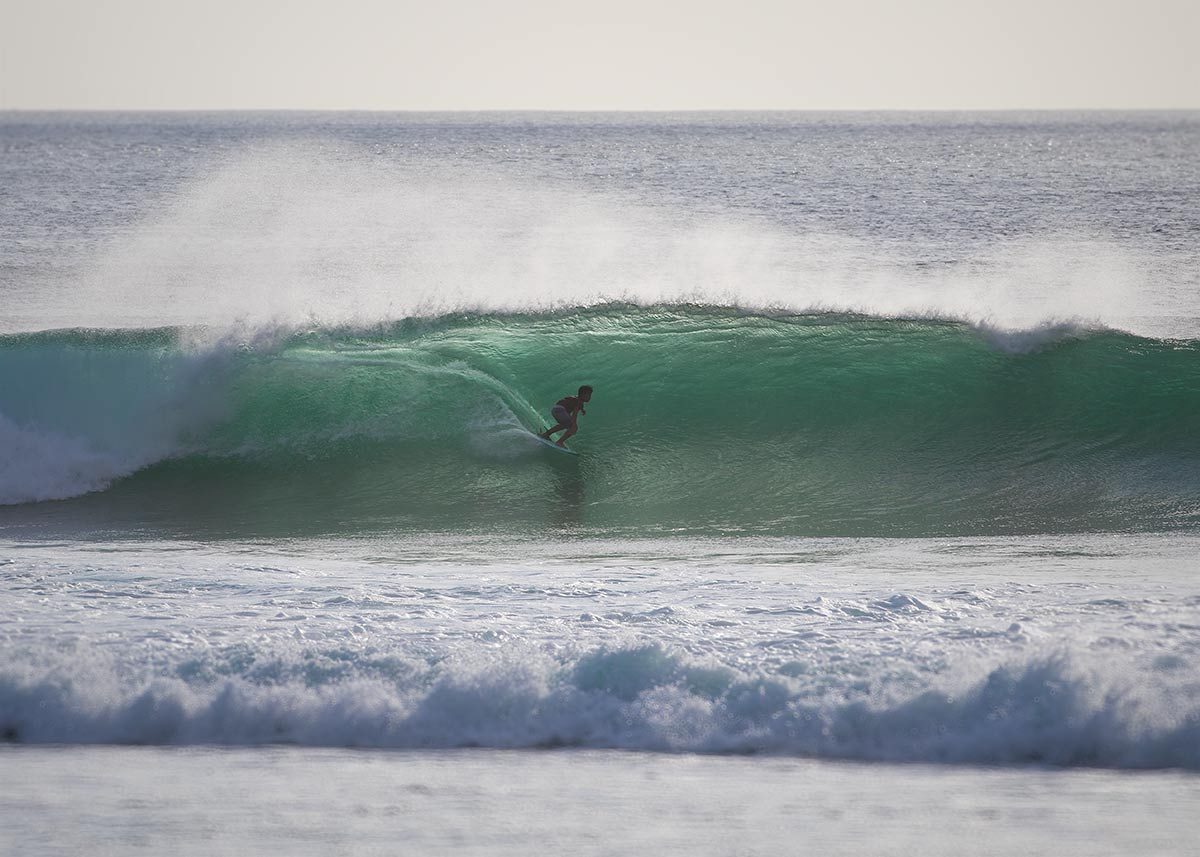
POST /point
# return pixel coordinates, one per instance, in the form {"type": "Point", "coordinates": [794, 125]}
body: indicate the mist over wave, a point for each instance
{"type": "Point", "coordinates": [335, 234]}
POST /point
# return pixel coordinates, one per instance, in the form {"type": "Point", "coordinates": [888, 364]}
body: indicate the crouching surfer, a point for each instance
{"type": "Point", "coordinates": [566, 412]}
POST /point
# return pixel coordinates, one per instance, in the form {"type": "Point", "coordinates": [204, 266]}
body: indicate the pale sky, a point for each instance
{"type": "Point", "coordinates": [609, 55]}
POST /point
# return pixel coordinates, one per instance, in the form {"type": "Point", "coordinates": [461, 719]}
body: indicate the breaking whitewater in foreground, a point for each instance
{"type": "Point", "coordinates": [932, 651]}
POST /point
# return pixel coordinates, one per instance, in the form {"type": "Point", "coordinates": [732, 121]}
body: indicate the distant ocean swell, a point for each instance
{"type": "Point", "coordinates": [704, 419]}
{"type": "Point", "coordinates": [1049, 710]}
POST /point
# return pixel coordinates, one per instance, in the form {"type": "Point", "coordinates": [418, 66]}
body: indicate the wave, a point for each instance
{"type": "Point", "coordinates": [704, 419]}
{"type": "Point", "coordinates": [1047, 710]}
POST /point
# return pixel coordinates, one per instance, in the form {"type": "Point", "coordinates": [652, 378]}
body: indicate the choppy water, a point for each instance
{"type": "Point", "coordinates": [892, 455]}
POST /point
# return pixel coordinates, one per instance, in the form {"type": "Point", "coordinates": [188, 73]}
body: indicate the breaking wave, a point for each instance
{"type": "Point", "coordinates": [1047, 710]}
{"type": "Point", "coordinates": [704, 419]}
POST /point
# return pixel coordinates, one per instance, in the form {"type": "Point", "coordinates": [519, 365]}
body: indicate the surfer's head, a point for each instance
{"type": "Point", "coordinates": [585, 393]}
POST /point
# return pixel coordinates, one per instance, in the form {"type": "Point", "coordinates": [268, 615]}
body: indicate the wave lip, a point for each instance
{"type": "Point", "coordinates": [1047, 710]}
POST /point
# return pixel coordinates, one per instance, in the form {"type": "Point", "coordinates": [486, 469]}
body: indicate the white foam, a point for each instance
{"type": "Point", "coordinates": [1051, 709]}
{"type": "Point", "coordinates": [1034, 338]}
{"type": "Point", "coordinates": [46, 465]}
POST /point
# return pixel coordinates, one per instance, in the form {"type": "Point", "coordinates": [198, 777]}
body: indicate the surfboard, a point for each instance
{"type": "Point", "coordinates": [552, 445]}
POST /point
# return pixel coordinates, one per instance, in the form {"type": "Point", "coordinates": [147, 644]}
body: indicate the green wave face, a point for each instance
{"type": "Point", "coordinates": [703, 420]}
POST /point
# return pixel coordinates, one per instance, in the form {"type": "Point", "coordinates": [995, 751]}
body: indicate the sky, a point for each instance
{"type": "Point", "coordinates": [611, 55]}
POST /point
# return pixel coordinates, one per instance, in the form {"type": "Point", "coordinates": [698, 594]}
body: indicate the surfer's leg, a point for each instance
{"type": "Point", "coordinates": [562, 419]}
{"type": "Point", "coordinates": [571, 429]}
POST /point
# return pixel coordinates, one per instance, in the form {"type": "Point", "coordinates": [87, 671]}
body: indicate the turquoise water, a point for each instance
{"type": "Point", "coordinates": [705, 420]}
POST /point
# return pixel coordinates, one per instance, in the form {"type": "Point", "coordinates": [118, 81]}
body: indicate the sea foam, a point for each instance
{"type": "Point", "coordinates": [1047, 710]}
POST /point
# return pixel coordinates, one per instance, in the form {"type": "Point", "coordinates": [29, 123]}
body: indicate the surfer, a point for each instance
{"type": "Point", "coordinates": [566, 411]}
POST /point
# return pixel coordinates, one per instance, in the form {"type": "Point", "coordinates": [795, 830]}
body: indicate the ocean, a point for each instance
{"type": "Point", "coordinates": [881, 537]}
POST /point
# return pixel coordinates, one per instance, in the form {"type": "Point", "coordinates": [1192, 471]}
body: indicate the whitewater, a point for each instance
{"type": "Point", "coordinates": [884, 515]}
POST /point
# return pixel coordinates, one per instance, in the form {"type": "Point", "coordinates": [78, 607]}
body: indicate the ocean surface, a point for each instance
{"type": "Point", "coordinates": [882, 536]}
